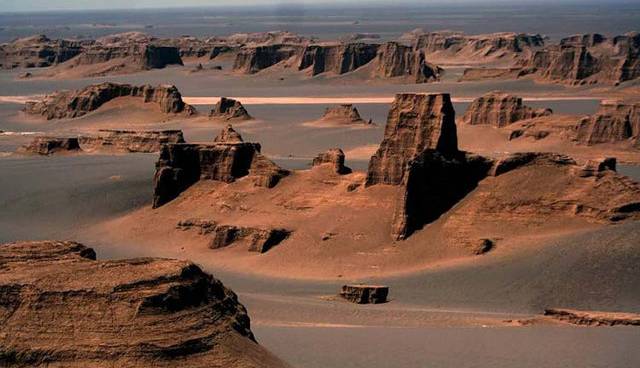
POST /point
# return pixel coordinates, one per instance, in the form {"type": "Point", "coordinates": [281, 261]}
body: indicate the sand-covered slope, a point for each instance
{"type": "Point", "coordinates": [60, 307]}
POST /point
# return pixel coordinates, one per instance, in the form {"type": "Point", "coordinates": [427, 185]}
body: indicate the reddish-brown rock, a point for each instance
{"type": "Point", "coordinates": [365, 294]}
{"type": "Point", "coordinates": [252, 59]}
{"type": "Point", "coordinates": [396, 60]}
{"type": "Point", "coordinates": [613, 122]}
{"type": "Point", "coordinates": [130, 141]}
{"type": "Point", "coordinates": [500, 109]}
{"type": "Point", "coordinates": [37, 52]}
{"type": "Point", "coordinates": [337, 58]}
{"type": "Point", "coordinates": [51, 145]}
{"type": "Point", "coordinates": [229, 109]}
{"type": "Point", "coordinates": [72, 104]}
{"type": "Point", "coordinates": [334, 158]}
{"type": "Point", "coordinates": [345, 114]}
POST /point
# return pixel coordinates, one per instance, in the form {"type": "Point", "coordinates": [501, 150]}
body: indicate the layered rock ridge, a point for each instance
{"type": "Point", "coordinates": [227, 159]}
{"type": "Point", "coordinates": [500, 109]}
{"type": "Point", "coordinates": [73, 104]}
{"type": "Point", "coordinates": [613, 122]}
{"type": "Point", "coordinates": [61, 307]}
{"type": "Point", "coordinates": [129, 140]}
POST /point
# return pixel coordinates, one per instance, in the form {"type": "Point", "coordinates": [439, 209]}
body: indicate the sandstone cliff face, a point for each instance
{"type": "Point", "coordinates": [61, 307]}
{"type": "Point", "coordinates": [250, 60]}
{"type": "Point", "coordinates": [613, 122]}
{"type": "Point", "coordinates": [334, 158]}
{"type": "Point", "coordinates": [130, 141]}
{"type": "Point", "coordinates": [229, 109]}
{"type": "Point", "coordinates": [72, 104]}
{"type": "Point", "coordinates": [396, 60]}
{"type": "Point", "coordinates": [338, 58]}
{"type": "Point", "coordinates": [415, 122]}
{"type": "Point", "coordinates": [37, 52]}
{"type": "Point", "coordinates": [500, 109]}
{"type": "Point", "coordinates": [50, 145]}
{"type": "Point", "coordinates": [227, 159]}
{"type": "Point", "coordinates": [590, 58]}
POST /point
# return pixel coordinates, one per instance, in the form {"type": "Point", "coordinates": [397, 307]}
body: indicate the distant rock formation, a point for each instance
{"type": "Point", "coordinates": [337, 58]}
{"type": "Point", "coordinates": [333, 157]}
{"type": "Point", "coordinates": [252, 59]}
{"type": "Point", "coordinates": [500, 109]}
{"type": "Point", "coordinates": [256, 239]}
{"type": "Point", "coordinates": [365, 294]}
{"type": "Point", "coordinates": [51, 145]}
{"type": "Point", "coordinates": [419, 152]}
{"type": "Point", "coordinates": [73, 104]}
{"type": "Point", "coordinates": [396, 60]}
{"type": "Point", "coordinates": [62, 307]}
{"type": "Point", "coordinates": [129, 141]}
{"type": "Point", "coordinates": [520, 159]}
{"type": "Point", "coordinates": [484, 73]}
{"type": "Point", "coordinates": [593, 318]}
{"type": "Point", "coordinates": [613, 122]}
{"type": "Point", "coordinates": [38, 52]}
{"type": "Point", "coordinates": [345, 114]}
{"type": "Point", "coordinates": [589, 58]}
{"type": "Point", "coordinates": [229, 109]}
{"type": "Point", "coordinates": [266, 38]}
{"type": "Point", "coordinates": [227, 159]}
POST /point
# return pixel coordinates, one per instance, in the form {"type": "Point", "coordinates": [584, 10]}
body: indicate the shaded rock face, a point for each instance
{"type": "Point", "coordinates": [51, 145]}
{"type": "Point", "coordinates": [415, 122]}
{"type": "Point", "coordinates": [61, 307]}
{"type": "Point", "coordinates": [500, 109]}
{"type": "Point", "coordinates": [227, 159]}
{"type": "Point", "coordinates": [420, 153]}
{"type": "Point", "coordinates": [37, 52]}
{"type": "Point", "coordinates": [613, 122]}
{"type": "Point", "coordinates": [589, 58]}
{"type": "Point", "coordinates": [365, 294]}
{"type": "Point", "coordinates": [229, 109]}
{"type": "Point", "coordinates": [339, 59]}
{"type": "Point", "coordinates": [520, 159]}
{"type": "Point", "coordinates": [333, 157]}
{"type": "Point", "coordinates": [343, 114]}
{"type": "Point", "coordinates": [73, 104]}
{"type": "Point", "coordinates": [396, 60]}
{"type": "Point", "coordinates": [158, 57]}
{"type": "Point", "coordinates": [596, 167]}
{"type": "Point", "coordinates": [130, 141]}
{"type": "Point", "coordinates": [256, 239]}
{"type": "Point", "coordinates": [496, 45]}
{"type": "Point", "coordinates": [593, 318]}
{"type": "Point", "coordinates": [250, 60]}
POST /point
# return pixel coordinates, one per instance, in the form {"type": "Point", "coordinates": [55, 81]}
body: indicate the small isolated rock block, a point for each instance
{"type": "Point", "coordinates": [365, 294]}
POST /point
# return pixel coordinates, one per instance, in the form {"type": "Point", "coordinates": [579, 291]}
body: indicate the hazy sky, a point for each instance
{"type": "Point", "coordinates": [43, 5]}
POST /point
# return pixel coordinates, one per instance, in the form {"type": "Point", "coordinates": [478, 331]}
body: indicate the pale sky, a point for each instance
{"type": "Point", "coordinates": [44, 5]}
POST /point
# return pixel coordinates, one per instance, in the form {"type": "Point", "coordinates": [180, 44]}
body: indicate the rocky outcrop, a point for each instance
{"type": "Point", "coordinates": [500, 109]}
{"type": "Point", "coordinates": [365, 294]}
{"type": "Point", "coordinates": [484, 73]}
{"type": "Point", "coordinates": [396, 60]}
{"type": "Point", "coordinates": [37, 52]}
{"type": "Point", "coordinates": [229, 109]}
{"type": "Point", "coordinates": [62, 307]}
{"type": "Point", "coordinates": [337, 58]}
{"type": "Point", "coordinates": [596, 167]}
{"type": "Point", "coordinates": [345, 114]}
{"type": "Point", "coordinates": [477, 48]}
{"type": "Point", "coordinates": [520, 159]}
{"type": "Point", "coordinates": [593, 318]}
{"type": "Point", "coordinates": [158, 57]}
{"type": "Point", "coordinates": [250, 60]}
{"type": "Point", "coordinates": [419, 152]}
{"type": "Point", "coordinates": [51, 145]}
{"type": "Point", "coordinates": [415, 122]}
{"type": "Point", "coordinates": [334, 158]}
{"type": "Point", "coordinates": [129, 141]}
{"type": "Point", "coordinates": [266, 38]}
{"type": "Point", "coordinates": [73, 104]}
{"type": "Point", "coordinates": [227, 159]}
{"type": "Point", "coordinates": [589, 58]}
{"type": "Point", "coordinates": [255, 239]}
{"type": "Point", "coordinates": [613, 122]}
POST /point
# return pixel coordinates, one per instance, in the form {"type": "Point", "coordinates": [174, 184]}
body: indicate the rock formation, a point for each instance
{"type": "Point", "coordinates": [130, 141]}
{"type": "Point", "coordinates": [51, 145]}
{"type": "Point", "coordinates": [419, 152]}
{"type": "Point", "coordinates": [590, 58]}
{"type": "Point", "coordinates": [596, 167]}
{"type": "Point", "coordinates": [37, 52]}
{"type": "Point", "coordinates": [333, 157]}
{"type": "Point", "coordinates": [250, 60]}
{"type": "Point", "coordinates": [613, 122]}
{"type": "Point", "coordinates": [365, 294]}
{"type": "Point", "coordinates": [229, 109]}
{"type": "Point", "coordinates": [500, 109]}
{"type": "Point", "coordinates": [73, 104]}
{"type": "Point", "coordinates": [62, 307]}
{"type": "Point", "coordinates": [256, 239]}
{"type": "Point", "coordinates": [345, 114]}
{"type": "Point", "coordinates": [227, 159]}
{"type": "Point", "coordinates": [593, 318]}
{"type": "Point", "coordinates": [337, 58]}
{"type": "Point", "coordinates": [396, 60]}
